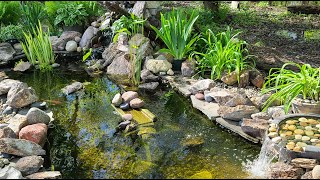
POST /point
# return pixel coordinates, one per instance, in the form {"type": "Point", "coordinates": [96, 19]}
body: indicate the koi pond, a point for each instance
{"type": "Point", "coordinates": [84, 142]}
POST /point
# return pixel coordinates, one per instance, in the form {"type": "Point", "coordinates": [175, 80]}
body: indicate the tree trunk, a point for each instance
{"type": "Point", "coordinates": [211, 5]}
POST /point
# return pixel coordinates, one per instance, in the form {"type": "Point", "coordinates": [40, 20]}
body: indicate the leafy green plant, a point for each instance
{"type": "Point", "coordinates": [131, 26]}
{"type": "Point", "coordinates": [136, 62]}
{"type": "Point", "coordinates": [224, 52]}
{"type": "Point", "coordinates": [175, 32]}
{"type": "Point", "coordinates": [38, 50]}
{"type": "Point", "coordinates": [87, 55]}
{"type": "Point", "coordinates": [11, 32]}
{"type": "Point", "coordinates": [9, 13]}
{"type": "Point", "coordinates": [32, 12]}
{"type": "Point", "coordinates": [71, 14]}
{"type": "Point", "coordinates": [288, 84]}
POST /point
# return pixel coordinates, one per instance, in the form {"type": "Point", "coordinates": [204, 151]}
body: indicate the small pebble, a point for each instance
{"type": "Point", "coordinates": [124, 106]}
{"type": "Point", "coordinates": [127, 117]}
{"type": "Point", "coordinates": [199, 96]}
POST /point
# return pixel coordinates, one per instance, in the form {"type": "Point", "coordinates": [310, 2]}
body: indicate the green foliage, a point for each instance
{"type": "Point", "coordinates": [52, 7]}
{"type": "Point", "coordinates": [71, 14]}
{"type": "Point", "coordinates": [175, 32]}
{"type": "Point", "coordinates": [92, 8]}
{"type": "Point", "coordinates": [223, 52]}
{"type": "Point", "coordinates": [39, 49]}
{"type": "Point", "coordinates": [87, 55]}
{"type": "Point", "coordinates": [288, 84]}
{"type": "Point", "coordinates": [131, 26]}
{"type": "Point", "coordinates": [32, 12]}
{"type": "Point", "coordinates": [11, 32]}
{"type": "Point", "coordinates": [136, 62]}
{"type": "Point", "coordinates": [9, 13]}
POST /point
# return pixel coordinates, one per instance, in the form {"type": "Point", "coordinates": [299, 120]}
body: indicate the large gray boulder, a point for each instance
{"type": "Point", "coordinates": [140, 45]}
{"type": "Point", "coordinates": [20, 147]}
{"type": "Point", "coordinates": [6, 84]}
{"type": "Point", "coordinates": [29, 164]}
{"type": "Point", "coordinates": [21, 95]}
{"type": "Point", "coordinates": [202, 85]}
{"type": "Point", "coordinates": [120, 69]}
{"type": "Point", "coordinates": [237, 113]}
{"type": "Point", "coordinates": [6, 53]}
{"type": "Point", "coordinates": [87, 36]}
{"type": "Point", "coordinates": [36, 115]}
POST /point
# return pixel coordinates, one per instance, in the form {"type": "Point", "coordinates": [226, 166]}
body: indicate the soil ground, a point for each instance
{"type": "Point", "coordinates": [259, 26]}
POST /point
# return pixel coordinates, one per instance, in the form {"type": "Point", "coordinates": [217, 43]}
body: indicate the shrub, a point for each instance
{"type": "Point", "coordinates": [9, 13]}
{"type": "Point", "coordinates": [11, 32]}
{"type": "Point", "coordinates": [175, 32]}
{"type": "Point", "coordinates": [288, 84]}
{"type": "Point", "coordinates": [38, 49]}
{"type": "Point", "coordinates": [71, 14]}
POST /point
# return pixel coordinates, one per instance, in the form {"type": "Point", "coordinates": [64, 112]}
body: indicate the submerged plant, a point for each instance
{"type": "Point", "coordinates": [288, 84]}
{"type": "Point", "coordinates": [175, 32]}
{"type": "Point", "coordinates": [38, 49]}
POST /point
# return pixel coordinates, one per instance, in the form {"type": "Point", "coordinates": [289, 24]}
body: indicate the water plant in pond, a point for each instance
{"type": "Point", "coordinates": [175, 32]}
{"type": "Point", "coordinates": [224, 52]}
{"type": "Point", "coordinates": [288, 84]}
{"type": "Point", "coordinates": [38, 49]}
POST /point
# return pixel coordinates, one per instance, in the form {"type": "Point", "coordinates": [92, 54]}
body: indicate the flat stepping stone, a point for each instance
{"type": "Point", "coordinates": [182, 84]}
{"type": "Point", "coordinates": [209, 109]}
{"type": "Point", "coordinates": [236, 128]}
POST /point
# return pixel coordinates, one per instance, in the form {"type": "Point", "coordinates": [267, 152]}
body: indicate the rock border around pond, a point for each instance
{"type": "Point", "coordinates": [23, 132]}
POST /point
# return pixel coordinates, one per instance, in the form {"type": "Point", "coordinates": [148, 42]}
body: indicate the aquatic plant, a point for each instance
{"type": "Point", "coordinates": [175, 32]}
{"type": "Point", "coordinates": [38, 49]}
{"type": "Point", "coordinates": [288, 84]}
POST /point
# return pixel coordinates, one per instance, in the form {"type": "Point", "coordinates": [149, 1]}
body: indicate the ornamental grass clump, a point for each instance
{"type": "Point", "coordinates": [38, 49]}
{"type": "Point", "coordinates": [287, 84]}
{"type": "Point", "coordinates": [175, 32]}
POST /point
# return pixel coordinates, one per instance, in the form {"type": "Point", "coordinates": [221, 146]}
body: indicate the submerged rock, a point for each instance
{"type": "Point", "coordinates": [76, 86]}
{"type": "Point", "coordinates": [192, 141]}
{"type": "Point", "coordinates": [29, 165]}
{"type": "Point", "coordinates": [22, 66]}
{"type": "Point", "coordinates": [124, 124]}
{"type": "Point", "coordinates": [151, 86]}
{"type": "Point", "coordinates": [20, 147]}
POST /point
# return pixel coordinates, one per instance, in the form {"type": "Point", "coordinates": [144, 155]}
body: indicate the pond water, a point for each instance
{"type": "Point", "coordinates": [84, 143]}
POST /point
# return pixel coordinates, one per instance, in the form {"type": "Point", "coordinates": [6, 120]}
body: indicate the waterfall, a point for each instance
{"type": "Point", "coordinates": [258, 168]}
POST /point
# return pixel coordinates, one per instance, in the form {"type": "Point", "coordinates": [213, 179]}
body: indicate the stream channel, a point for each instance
{"type": "Point", "coordinates": [84, 143]}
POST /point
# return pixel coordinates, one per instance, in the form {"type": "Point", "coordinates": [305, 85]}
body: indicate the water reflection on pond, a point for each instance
{"type": "Point", "coordinates": [85, 144]}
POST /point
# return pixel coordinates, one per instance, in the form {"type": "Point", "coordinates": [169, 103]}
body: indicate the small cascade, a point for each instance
{"type": "Point", "coordinates": [258, 168]}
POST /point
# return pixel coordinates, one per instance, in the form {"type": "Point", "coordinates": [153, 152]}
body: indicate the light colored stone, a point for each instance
{"type": "Point", "coordinates": [17, 122]}
{"type": "Point", "coordinates": [72, 88]}
{"type": "Point", "coordinates": [138, 8]}
{"type": "Point", "coordinates": [22, 66]}
{"type": "Point", "coordinates": [17, 46]}
{"type": "Point", "coordinates": [71, 46]}
{"type": "Point", "coordinates": [20, 147]}
{"type": "Point", "coordinates": [281, 170]}
{"type": "Point", "coordinates": [129, 95]}
{"type": "Point", "coordinates": [120, 68]}
{"type": "Point", "coordinates": [229, 79]}
{"type": "Point", "coordinates": [156, 66]}
{"type": "Point", "coordinates": [6, 52]}
{"type": "Point", "coordinates": [45, 175]}
{"type": "Point", "coordinates": [19, 96]}
{"type": "Point", "coordinates": [36, 115]}
{"type": "Point", "coordinates": [6, 84]}
{"type": "Point", "coordinates": [316, 172]}
{"type": "Point", "coordinates": [170, 72]}
{"type": "Point", "coordinates": [276, 111]}
{"type": "Point", "coordinates": [87, 36]}
{"type": "Point", "coordinates": [136, 103]}
{"type": "Point", "coordinates": [199, 96]}
{"type": "Point", "coordinates": [202, 85]}
{"type": "Point", "coordinates": [187, 68]}
{"type": "Point", "coordinates": [209, 109]}
{"type": "Point", "coordinates": [304, 163]}
{"type": "Point", "coordinates": [127, 117]}
{"type": "Point", "coordinates": [77, 39]}
{"type": "Point", "coordinates": [238, 112]}
{"type": "Point", "coordinates": [260, 115]}
{"type": "Point", "coordinates": [29, 164]}
{"type": "Point", "coordinates": [10, 172]}
{"type": "Point", "coordinates": [117, 99]}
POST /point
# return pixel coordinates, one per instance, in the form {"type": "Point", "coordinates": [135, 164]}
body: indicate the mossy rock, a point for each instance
{"type": "Point", "coordinates": [192, 141]}
{"type": "Point", "coordinates": [141, 166]}
{"type": "Point", "coordinates": [202, 175]}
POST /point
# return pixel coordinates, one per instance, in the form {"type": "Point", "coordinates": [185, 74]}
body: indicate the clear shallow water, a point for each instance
{"type": "Point", "coordinates": [84, 143]}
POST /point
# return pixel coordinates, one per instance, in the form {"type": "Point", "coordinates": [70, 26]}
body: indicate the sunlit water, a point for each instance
{"type": "Point", "coordinates": [84, 144]}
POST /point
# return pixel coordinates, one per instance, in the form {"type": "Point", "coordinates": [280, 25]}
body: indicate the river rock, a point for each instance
{"type": "Point", "coordinates": [127, 117]}
{"type": "Point", "coordinates": [76, 86]}
{"type": "Point", "coordinates": [125, 106]}
{"type": "Point", "coordinates": [256, 78]}
{"type": "Point", "coordinates": [45, 175]}
{"type": "Point", "coordinates": [192, 141]}
{"type": "Point", "coordinates": [17, 46]}
{"type": "Point", "coordinates": [157, 66]}
{"type": "Point", "coordinates": [170, 72]}
{"type": "Point", "coordinates": [117, 100]}
{"type": "Point", "coordinates": [10, 172]}
{"type": "Point", "coordinates": [120, 68]}
{"type": "Point", "coordinates": [187, 68]}
{"type": "Point", "coordinates": [7, 110]}
{"type": "Point", "coordinates": [22, 66]}
{"type": "Point", "coordinates": [260, 115]}
{"type": "Point", "coordinates": [281, 170]}
{"type": "Point", "coordinates": [7, 133]}
{"type": "Point", "coordinates": [41, 105]}
{"type": "Point", "coordinates": [254, 127]}
{"type": "Point", "coordinates": [129, 95]}
{"type": "Point", "coordinates": [60, 43]}
{"type": "Point", "coordinates": [136, 103]}
{"type": "Point", "coordinates": [87, 36]}
{"type": "Point", "coordinates": [6, 52]}
{"type": "Point", "coordinates": [276, 111]}
{"type": "Point", "coordinates": [20, 147]}
{"type": "Point", "coordinates": [147, 76]}
{"type": "Point", "coordinates": [36, 133]}
{"type": "Point", "coordinates": [229, 79]}
{"type": "Point", "coordinates": [77, 39]}
{"type": "Point", "coordinates": [307, 175]}
{"type": "Point", "coordinates": [29, 164]}
{"type": "Point", "coordinates": [71, 46]}
{"type": "Point", "coordinates": [202, 85]}
{"type": "Point", "coordinates": [238, 112]}
{"type": "Point", "coordinates": [36, 115]}
{"type": "Point", "coordinates": [207, 96]}
{"type": "Point", "coordinates": [124, 124]}
{"type": "Point", "coordinates": [6, 84]}
{"type": "Point", "coordinates": [17, 122]}
{"type": "Point", "coordinates": [19, 96]}
{"type": "Point", "coordinates": [304, 163]}
{"type": "Point", "coordinates": [143, 45]}
{"type": "Point", "coordinates": [150, 86]}
{"type": "Point", "coordinates": [316, 172]}
{"type": "Point", "coordinates": [138, 8]}
{"type": "Point", "coordinates": [244, 79]}
{"type": "Point", "coordinates": [199, 96]}
{"type": "Point", "coordinates": [95, 24]}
